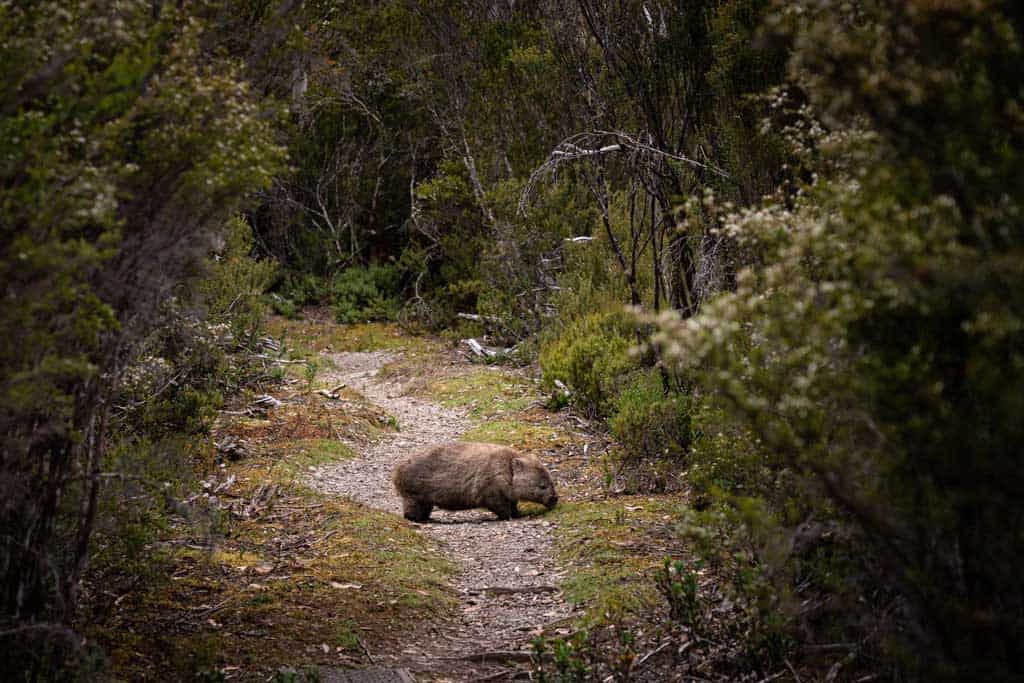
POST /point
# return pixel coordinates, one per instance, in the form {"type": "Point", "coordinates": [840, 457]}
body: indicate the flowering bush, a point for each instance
{"type": "Point", "coordinates": [874, 347]}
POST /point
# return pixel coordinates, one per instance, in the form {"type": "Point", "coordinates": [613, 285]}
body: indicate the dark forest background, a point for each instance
{"type": "Point", "coordinates": [778, 244]}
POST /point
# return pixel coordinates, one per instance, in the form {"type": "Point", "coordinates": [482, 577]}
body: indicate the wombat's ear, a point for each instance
{"type": "Point", "coordinates": [518, 466]}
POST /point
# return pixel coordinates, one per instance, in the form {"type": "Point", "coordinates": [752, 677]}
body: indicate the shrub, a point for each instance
{"type": "Point", "coordinates": [875, 352]}
{"type": "Point", "coordinates": [121, 165]}
{"type": "Point", "coordinates": [571, 660]}
{"type": "Point", "coordinates": [283, 306]}
{"type": "Point", "coordinates": [302, 289]}
{"type": "Point", "coordinates": [234, 282]}
{"type": "Point", "coordinates": [173, 387]}
{"type": "Point", "coordinates": [364, 294]}
{"type": "Point", "coordinates": [650, 421]}
{"type": "Point", "coordinates": [590, 356]}
{"type": "Point", "coordinates": [678, 584]}
{"type": "Point", "coordinates": [874, 347]}
{"type": "Point", "coordinates": [725, 457]}
{"type": "Point", "coordinates": [603, 654]}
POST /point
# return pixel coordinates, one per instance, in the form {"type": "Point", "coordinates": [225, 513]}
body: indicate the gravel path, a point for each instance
{"type": "Point", "coordinates": [508, 579]}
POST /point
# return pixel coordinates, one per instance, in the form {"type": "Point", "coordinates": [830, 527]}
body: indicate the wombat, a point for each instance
{"type": "Point", "coordinates": [462, 476]}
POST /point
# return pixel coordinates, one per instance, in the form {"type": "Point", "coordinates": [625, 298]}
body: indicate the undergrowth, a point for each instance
{"type": "Point", "coordinates": [248, 569]}
{"type": "Point", "coordinates": [613, 550]}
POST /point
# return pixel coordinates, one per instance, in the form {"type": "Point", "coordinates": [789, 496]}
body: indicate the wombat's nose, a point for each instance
{"type": "Point", "coordinates": [552, 501]}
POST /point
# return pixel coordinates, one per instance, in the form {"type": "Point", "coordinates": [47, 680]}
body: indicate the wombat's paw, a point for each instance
{"type": "Point", "coordinates": [416, 512]}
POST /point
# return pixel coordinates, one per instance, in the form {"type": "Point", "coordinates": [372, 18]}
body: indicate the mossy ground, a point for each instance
{"type": "Point", "coordinates": [279, 575]}
{"type": "Point", "coordinates": [307, 337]}
{"type": "Point", "coordinates": [612, 550]}
{"type": "Point", "coordinates": [611, 547]}
{"type": "Point", "coordinates": [307, 581]}
{"type": "Point", "coordinates": [270, 573]}
{"type": "Point", "coordinates": [305, 417]}
{"type": "Point", "coordinates": [307, 454]}
{"type": "Point", "coordinates": [515, 432]}
{"type": "Point", "coordinates": [485, 392]}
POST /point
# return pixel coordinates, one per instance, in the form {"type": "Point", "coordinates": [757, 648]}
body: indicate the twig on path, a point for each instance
{"type": "Point", "coordinates": [326, 536]}
{"type": "Point", "coordinates": [578, 419]}
{"type": "Point", "coordinates": [366, 650]}
{"type": "Point", "coordinates": [640, 662]}
{"type": "Point", "coordinates": [263, 356]}
{"type": "Point", "coordinates": [507, 674]}
{"type": "Point", "coordinates": [294, 545]}
{"type": "Point", "coordinates": [207, 611]}
{"type": "Point", "coordinates": [260, 500]}
{"type": "Point", "coordinates": [548, 627]}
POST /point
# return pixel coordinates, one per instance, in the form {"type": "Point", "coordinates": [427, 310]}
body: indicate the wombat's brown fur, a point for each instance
{"type": "Point", "coordinates": [461, 476]}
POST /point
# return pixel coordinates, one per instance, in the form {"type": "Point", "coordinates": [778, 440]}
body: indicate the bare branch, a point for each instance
{"type": "Point", "coordinates": [588, 146]}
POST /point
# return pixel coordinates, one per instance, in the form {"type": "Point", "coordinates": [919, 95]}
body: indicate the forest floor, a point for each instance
{"type": "Point", "coordinates": [507, 586]}
{"type": "Point", "coordinates": [307, 568]}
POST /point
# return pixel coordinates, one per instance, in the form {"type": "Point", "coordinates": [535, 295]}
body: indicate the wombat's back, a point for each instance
{"type": "Point", "coordinates": [456, 475]}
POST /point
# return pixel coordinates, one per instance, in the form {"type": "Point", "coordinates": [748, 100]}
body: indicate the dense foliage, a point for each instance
{"type": "Point", "coordinates": [126, 148]}
{"type": "Point", "coordinates": [814, 207]}
{"type": "Point", "coordinates": [874, 354]}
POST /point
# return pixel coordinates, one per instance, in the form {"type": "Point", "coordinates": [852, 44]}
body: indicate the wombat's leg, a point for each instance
{"type": "Point", "coordinates": [516, 512]}
{"type": "Point", "coordinates": [416, 511]}
{"type": "Point", "coordinates": [501, 506]}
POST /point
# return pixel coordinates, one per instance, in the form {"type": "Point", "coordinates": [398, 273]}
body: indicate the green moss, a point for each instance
{"type": "Point", "coordinates": [307, 338]}
{"type": "Point", "coordinates": [611, 551]}
{"type": "Point", "coordinates": [302, 571]}
{"type": "Point", "coordinates": [307, 453]}
{"type": "Point", "coordinates": [512, 433]}
{"type": "Point", "coordinates": [233, 557]}
{"type": "Point", "coordinates": [335, 573]}
{"type": "Point", "coordinates": [327, 450]}
{"type": "Point", "coordinates": [383, 549]}
{"type": "Point", "coordinates": [486, 392]}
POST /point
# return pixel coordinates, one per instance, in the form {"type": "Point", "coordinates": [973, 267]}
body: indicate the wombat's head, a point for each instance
{"type": "Point", "coordinates": [531, 481]}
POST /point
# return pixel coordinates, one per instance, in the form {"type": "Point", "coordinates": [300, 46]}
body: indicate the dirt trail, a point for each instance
{"type": "Point", "coordinates": [507, 587]}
